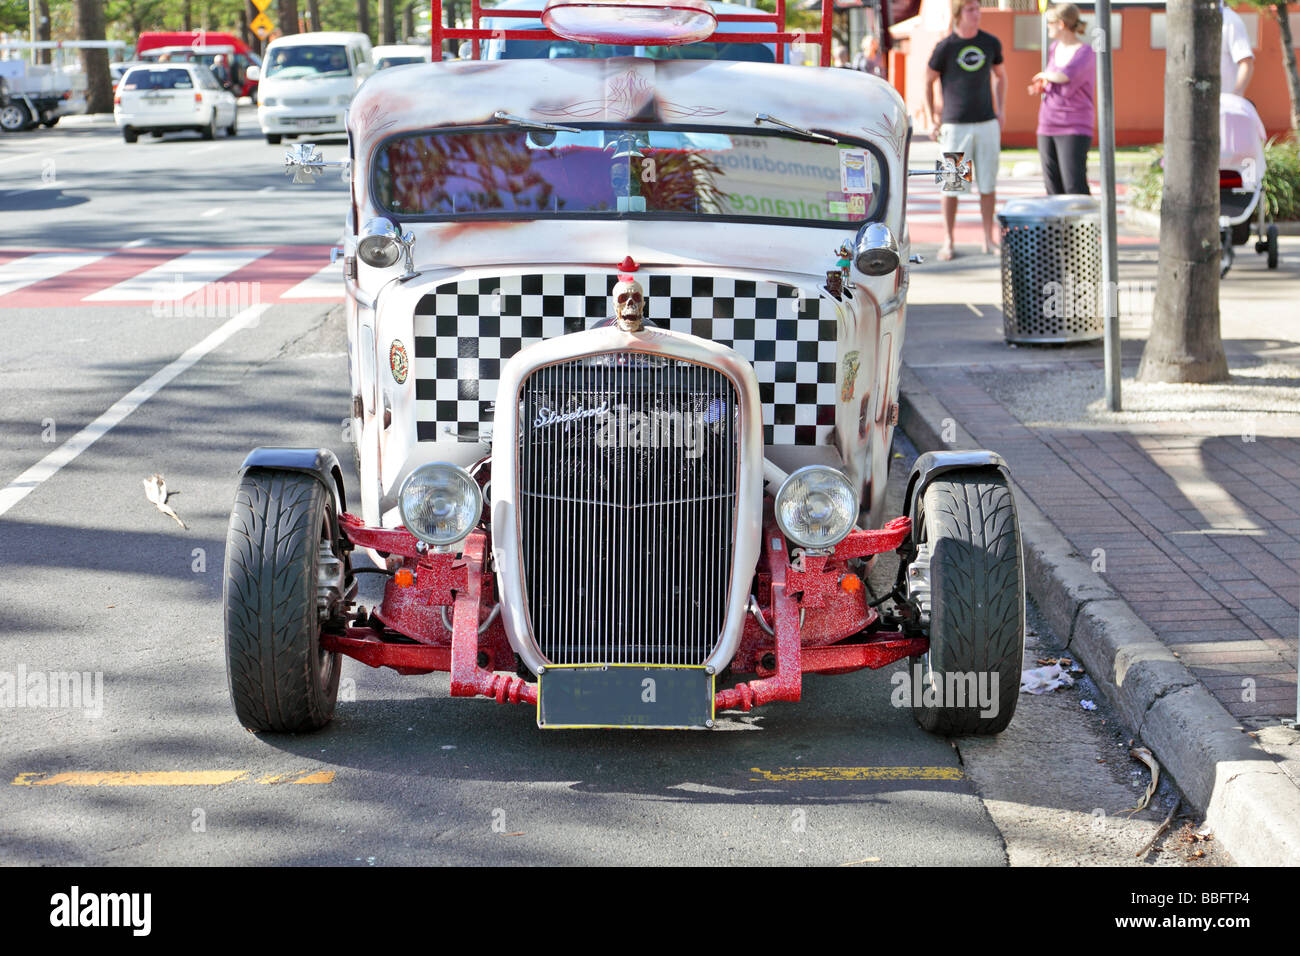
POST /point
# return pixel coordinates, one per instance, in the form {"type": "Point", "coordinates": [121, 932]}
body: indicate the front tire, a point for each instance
{"type": "Point", "coordinates": [977, 618]}
{"type": "Point", "coordinates": [233, 128]}
{"type": "Point", "coordinates": [1271, 245]}
{"type": "Point", "coordinates": [273, 139]}
{"type": "Point", "coordinates": [280, 678]}
{"type": "Point", "coordinates": [210, 131]}
{"type": "Point", "coordinates": [129, 134]}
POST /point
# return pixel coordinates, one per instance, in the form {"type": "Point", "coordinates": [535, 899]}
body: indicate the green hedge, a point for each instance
{"type": "Point", "coordinates": [1281, 181]}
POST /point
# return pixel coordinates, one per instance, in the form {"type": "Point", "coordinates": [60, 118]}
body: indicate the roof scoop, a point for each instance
{"type": "Point", "coordinates": [636, 22]}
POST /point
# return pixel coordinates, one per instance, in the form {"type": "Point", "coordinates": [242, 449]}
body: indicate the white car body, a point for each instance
{"type": "Point", "coordinates": [850, 423]}
{"type": "Point", "coordinates": [308, 80]}
{"type": "Point", "coordinates": [172, 97]}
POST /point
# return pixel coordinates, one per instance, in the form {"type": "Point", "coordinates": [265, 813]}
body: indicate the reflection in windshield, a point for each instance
{"type": "Point", "coordinates": [176, 79]}
{"type": "Point", "coordinates": [615, 171]}
{"type": "Point", "coordinates": [296, 62]}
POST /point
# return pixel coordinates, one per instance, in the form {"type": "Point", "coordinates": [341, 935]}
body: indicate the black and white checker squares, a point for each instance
{"type": "Point", "coordinates": [464, 331]}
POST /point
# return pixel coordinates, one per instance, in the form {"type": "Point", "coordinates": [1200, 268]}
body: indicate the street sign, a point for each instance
{"type": "Point", "coordinates": [262, 25]}
{"type": "Point", "coordinates": [261, 4]}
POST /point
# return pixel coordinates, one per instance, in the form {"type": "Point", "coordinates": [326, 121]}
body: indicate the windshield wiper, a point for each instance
{"type": "Point", "coordinates": [509, 118]}
{"type": "Point", "coordinates": [819, 137]}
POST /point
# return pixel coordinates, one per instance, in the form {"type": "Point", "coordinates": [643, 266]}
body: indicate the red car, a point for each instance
{"type": "Point", "coordinates": [242, 58]}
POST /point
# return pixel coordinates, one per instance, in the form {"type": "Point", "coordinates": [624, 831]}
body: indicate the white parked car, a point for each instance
{"type": "Point", "coordinates": [307, 82]}
{"type": "Point", "coordinates": [625, 339]}
{"type": "Point", "coordinates": [401, 54]}
{"type": "Point", "coordinates": [172, 97]}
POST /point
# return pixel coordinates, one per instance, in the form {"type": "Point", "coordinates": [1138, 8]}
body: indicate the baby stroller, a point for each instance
{"type": "Point", "coordinates": [1241, 181]}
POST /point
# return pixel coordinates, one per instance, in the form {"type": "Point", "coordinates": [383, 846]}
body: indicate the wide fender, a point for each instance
{"type": "Point", "coordinates": [932, 464]}
{"type": "Point", "coordinates": [320, 463]}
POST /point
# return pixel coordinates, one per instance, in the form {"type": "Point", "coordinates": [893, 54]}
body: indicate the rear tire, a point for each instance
{"type": "Point", "coordinates": [977, 618]}
{"type": "Point", "coordinates": [129, 134]}
{"type": "Point", "coordinates": [1271, 240]}
{"type": "Point", "coordinates": [280, 679]}
{"type": "Point", "coordinates": [273, 139]}
{"type": "Point", "coordinates": [210, 131]}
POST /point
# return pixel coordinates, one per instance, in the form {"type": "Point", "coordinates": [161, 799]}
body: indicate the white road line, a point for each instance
{"type": "Point", "coordinates": [47, 467]}
{"type": "Point", "coordinates": [41, 266]}
{"type": "Point", "coordinates": [216, 211]}
{"type": "Point", "coordinates": [203, 149]}
{"type": "Point", "coordinates": [40, 153]}
{"type": "Point", "coordinates": [973, 308]}
{"type": "Point", "coordinates": [327, 283]}
{"type": "Point", "coordinates": [267, 190]}
{"type": "Point", "coordinates": [179, 277]}
{"type": "Point", "coordinates": [134, 243]}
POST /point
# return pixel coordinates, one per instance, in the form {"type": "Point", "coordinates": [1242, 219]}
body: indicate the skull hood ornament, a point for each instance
{"type": "Point", "coordinates": [629, 304]}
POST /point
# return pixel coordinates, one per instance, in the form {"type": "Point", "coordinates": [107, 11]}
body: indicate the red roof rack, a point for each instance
{"type": "Point", "coordinates": [781, 37]}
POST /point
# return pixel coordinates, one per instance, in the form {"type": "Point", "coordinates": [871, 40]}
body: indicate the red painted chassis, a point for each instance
{"type": "Point", "coordinates": [810, 606]}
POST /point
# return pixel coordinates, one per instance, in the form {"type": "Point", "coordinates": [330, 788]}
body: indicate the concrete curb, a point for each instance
{"type": "Point", "coordinates": [1249, 801]}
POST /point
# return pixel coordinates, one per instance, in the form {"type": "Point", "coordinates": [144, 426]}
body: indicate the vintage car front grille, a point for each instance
{"type": "Point", "coordinates": [628, 481]}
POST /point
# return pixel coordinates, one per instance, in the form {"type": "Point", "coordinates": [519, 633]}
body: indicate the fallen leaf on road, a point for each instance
{"type": "Point", "coordinates": [155, 489]}
{"type": "Point", "coordinates": [865, 859]}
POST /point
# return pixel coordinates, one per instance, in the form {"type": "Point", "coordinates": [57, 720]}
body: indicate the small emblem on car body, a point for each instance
{"type": "Point", "coordinates": [398, 362]}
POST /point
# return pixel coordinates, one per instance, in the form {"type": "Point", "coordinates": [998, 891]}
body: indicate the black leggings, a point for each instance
{"type": "Point", "coordinates": [1065, 163]}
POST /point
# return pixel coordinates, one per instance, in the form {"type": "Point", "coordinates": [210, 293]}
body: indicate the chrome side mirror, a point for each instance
{"type": "Point", "coordinates": [953, 172]}
{"type": "Point", "coordinates": [876, 250]}
{"type": "Point", "coordinates": [304, 163]}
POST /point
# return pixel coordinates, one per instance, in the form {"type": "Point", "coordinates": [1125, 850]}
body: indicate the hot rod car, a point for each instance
{"type": "Point", "coordinates": [625, 340]}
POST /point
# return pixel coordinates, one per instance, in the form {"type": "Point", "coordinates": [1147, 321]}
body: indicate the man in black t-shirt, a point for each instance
{"type": "Point", "coordinates": [968, 65]}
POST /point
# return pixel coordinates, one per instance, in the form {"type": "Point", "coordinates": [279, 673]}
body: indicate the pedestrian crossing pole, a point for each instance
{"type": "Point", "coordinates": [1110, 256]}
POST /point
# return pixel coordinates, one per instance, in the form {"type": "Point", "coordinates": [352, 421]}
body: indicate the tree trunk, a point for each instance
{"type": "Point", "coordinates": [288, 17]}
{"type": "Point", "coordinates": [99, 81]}
{"type": "Point", "coordinates": [246, 34]}
{"type": "Point", "coordinates": [313, 11]}
{"type": "Point", "coordinates": [187, 16]}
{"type": "Point", "coordinates": [1185, 345]}
{"type": "Point", "coordinates": [363, 17]}
{"type": "Point", "coordinates": [43, 28]}
{"type": "Point", "coordinates": [408, 22]}
{"type": "Point", "coordinates": [1288, 60]}
{"type": "Point", "coordinates": [387, 28]}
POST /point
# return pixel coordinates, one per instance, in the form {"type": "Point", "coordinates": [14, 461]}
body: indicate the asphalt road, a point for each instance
{"type": "Point", "coordinates": [96, 580]}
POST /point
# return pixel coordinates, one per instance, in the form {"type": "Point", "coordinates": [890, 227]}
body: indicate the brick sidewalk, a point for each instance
{"type": "Point", "coordinates": [1197, 527]}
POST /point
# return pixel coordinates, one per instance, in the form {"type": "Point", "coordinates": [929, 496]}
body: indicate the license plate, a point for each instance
{"type": "Point", "coordinates": [630, 696]}
{"type": "Point", "coordinates": [312, 121]}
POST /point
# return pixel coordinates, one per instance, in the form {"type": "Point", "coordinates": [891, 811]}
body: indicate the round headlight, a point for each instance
{"type": "Point", "coordinates": [380, 244]}
{"type": "Point", "coordinates": [343, 99]}
{"type": "Point", "coordinates": [816, 507]}
{"type": "Point", "coordinates": [440, 503]}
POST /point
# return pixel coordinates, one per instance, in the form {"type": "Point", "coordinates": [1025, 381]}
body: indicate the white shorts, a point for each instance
{"type": "Point", "coordinates": [981, 142]}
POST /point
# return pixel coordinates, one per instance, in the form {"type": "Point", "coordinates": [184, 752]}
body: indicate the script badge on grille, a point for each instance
{"type": "Point", "coordinates": [633, 696]}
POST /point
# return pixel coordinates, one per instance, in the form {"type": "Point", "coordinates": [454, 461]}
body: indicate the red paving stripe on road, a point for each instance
{"type": "Point", "coordinates": [278, 272]}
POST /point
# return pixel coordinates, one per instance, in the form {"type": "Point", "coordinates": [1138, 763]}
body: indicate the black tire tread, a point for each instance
{"type": "Point", "coordinates": [272, 632]}
{"type": "Point", "coordinates": [977, 587]}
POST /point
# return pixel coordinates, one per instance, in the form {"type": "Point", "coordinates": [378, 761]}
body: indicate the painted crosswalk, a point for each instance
{"type": "Point", "coordinates": [170, 276]}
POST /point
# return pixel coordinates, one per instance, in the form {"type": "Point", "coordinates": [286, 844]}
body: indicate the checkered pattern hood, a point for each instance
{"type": "Point", "coordinates": [466, 329]}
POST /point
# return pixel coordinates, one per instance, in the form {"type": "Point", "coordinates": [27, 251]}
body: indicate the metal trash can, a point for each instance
{"type": "Point", "coordinates": [1051, 270]}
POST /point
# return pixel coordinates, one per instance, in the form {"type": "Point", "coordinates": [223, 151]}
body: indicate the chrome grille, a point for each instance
{"type": "Point", "coordinates": [628, 483]}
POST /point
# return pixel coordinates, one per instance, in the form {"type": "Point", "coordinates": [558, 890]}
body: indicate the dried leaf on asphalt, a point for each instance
{"type": "Point", "coordinates": [1145, 755]}
{"type": "Point", "coordinates": [155, 489]}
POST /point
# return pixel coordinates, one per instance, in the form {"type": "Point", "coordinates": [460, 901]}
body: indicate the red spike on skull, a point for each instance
{"type": "Point", "coordinates": [629, 304]}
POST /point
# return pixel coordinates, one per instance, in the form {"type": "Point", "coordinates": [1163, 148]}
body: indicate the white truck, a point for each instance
{"type": "Point", "coordinates": [33, 94]}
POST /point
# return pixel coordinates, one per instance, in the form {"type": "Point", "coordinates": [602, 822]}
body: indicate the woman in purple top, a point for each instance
{"type": "Point", "coordinates": [1067, 116]}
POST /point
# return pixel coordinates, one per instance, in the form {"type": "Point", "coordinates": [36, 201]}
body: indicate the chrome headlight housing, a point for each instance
{"type": "Point", "coordinates": [816, 507]}
{"type": "Point", "coordinates": [440, 504]}
{"type": "Point", "coordinates": [380, 244]}
{"type": "Point", "coordinates": [343, 99]}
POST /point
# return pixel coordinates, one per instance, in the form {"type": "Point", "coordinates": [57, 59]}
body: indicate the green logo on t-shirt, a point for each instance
{"type": "Point", "coordinates": [970, 58]}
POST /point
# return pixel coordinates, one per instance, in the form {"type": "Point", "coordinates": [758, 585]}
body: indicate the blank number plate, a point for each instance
{"type": "Point", "coordinates": [636, 696]}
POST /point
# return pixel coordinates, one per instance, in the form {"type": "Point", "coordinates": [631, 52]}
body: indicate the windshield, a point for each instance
{"type": "Point", "coordinates": [386, 61]}
{"type": "Point", "coordinates": [619, 171]}
{"type": "Point", "coordinates": [298, 62]}
{"type": "Point", "coordinates": [175, 79]}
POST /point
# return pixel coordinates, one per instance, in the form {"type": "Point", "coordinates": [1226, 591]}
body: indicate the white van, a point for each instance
{"type": "Point", "coordinates": [307, 81]}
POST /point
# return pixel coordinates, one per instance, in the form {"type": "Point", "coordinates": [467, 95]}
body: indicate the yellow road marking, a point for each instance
{"type": "Point", "coordinates": [164, 778]}
{"type": "Point", "coordinates": [857, 773]}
